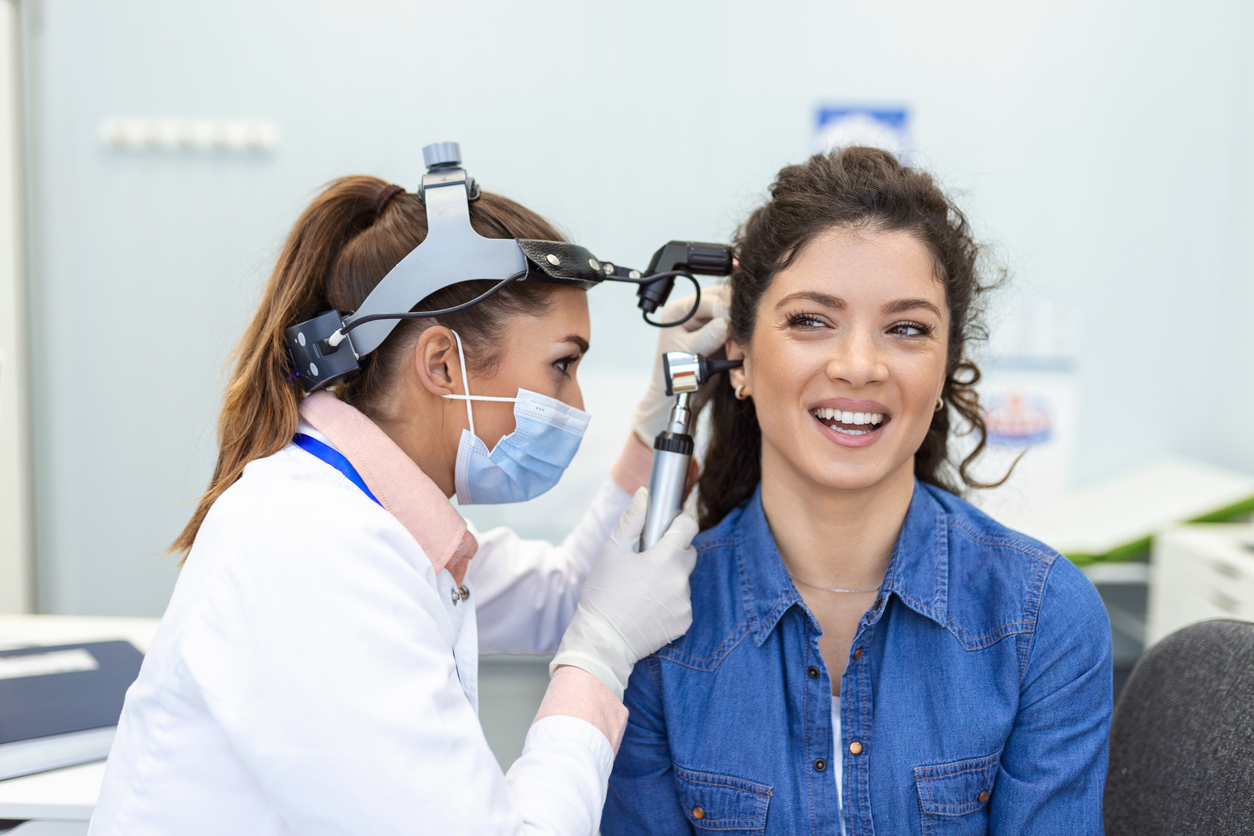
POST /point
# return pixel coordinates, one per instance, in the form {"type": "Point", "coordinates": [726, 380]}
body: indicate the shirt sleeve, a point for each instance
{"type": "Point", "coordinates": [526, 591]}
{"type": "Point", "coordinates": [642, 797]}
{"type": "Point", "coordinates": [324, 655]}
{"type": "Point", "coordinates": [1053, 767]}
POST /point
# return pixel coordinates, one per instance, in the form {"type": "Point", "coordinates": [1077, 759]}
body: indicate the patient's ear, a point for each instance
{"type": "Point", "coordinates": [739, 377]}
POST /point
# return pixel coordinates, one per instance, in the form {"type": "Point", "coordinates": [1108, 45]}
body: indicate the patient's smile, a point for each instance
{"type": "Point", "coordinates": [850, 423]}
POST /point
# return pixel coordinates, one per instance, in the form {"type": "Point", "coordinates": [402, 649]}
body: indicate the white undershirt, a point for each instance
{"type": "Point", "coordinates": [838, 751]}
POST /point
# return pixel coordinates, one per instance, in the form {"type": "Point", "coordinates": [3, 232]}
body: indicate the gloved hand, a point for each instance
{"type": "Point", "coordinates": [704, 333]}
{"type": "Point", "coordinates": [632, 603]}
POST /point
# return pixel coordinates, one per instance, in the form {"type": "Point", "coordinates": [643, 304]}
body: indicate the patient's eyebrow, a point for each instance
{"type": "Point", "coordinates": [824, 299]}
{"type": "Point", "coordinates": [903, 305]}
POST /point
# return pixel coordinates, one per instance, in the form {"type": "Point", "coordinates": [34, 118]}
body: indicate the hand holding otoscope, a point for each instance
{"type": "Point", "coordinates": [684, 373]}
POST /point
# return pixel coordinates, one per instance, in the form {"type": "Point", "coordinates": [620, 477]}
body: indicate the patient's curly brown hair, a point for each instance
{"type": "Point", "coordinates": [862, 188]}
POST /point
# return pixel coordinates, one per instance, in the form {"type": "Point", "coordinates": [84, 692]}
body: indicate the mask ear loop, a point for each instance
{"type": "Point", "coordinates": [461, 358]}
{"type": "Point", "coordinates": [470, 416]}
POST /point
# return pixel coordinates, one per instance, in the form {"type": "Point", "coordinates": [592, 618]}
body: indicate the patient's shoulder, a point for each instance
{"type": "Point", "coordinates": [719, 605]}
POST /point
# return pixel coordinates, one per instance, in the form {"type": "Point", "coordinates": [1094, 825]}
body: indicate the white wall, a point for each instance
{"type": "Point", "coordinates": [1097, 143]}
{"type": "Point", "coordinates": [1235, 364]}
{"type": "Point", "coordinates": [16, 568]}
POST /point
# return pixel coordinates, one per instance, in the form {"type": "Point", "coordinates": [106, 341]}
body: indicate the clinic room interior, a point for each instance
{"type": "Point", "coordinates": [572, 418]}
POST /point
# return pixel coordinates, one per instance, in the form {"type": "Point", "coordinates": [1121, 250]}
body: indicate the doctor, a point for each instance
{"type": "Point", "coordinates": [316, 670]}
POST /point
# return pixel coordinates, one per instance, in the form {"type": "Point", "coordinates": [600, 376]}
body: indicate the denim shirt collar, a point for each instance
{"type": "Point", "coordinates": [917, 571]}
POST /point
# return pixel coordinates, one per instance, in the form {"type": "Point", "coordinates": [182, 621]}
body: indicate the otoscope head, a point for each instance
{"type": "Point", "coordinates": [686, 372]}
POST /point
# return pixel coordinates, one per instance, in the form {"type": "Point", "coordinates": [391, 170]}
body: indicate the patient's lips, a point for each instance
{"type": "Point", "coordinates": [851, 423]}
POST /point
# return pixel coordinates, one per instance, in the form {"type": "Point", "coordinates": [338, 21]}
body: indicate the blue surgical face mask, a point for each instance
{"type": "Point", "coordinates": [525, 463]}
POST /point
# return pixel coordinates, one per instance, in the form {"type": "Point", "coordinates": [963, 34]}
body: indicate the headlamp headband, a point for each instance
{"type": "Point", "coordinates": [324, 351]}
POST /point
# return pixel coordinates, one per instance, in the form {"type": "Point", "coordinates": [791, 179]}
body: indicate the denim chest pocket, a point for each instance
{"type": "Point", "coordinates": [954, 796]}
{"type": "Point", "coordinates": [722, 802]}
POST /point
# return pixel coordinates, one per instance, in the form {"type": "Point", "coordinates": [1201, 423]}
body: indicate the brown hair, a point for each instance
{"type": "Point", "coordinates": [860, 188]}
{"type": "Point", "coordinates": [355, 231]}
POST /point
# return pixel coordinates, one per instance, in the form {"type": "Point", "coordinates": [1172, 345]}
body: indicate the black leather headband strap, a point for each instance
{"type": "Point", "coordinates": [562, 263]}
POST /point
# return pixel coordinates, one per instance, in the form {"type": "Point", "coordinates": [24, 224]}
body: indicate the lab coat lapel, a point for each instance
{"type": "Point", "coordinates": [401, 487]}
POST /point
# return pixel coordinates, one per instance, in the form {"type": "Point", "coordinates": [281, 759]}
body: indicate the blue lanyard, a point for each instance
{"type": "Point", "coordinates": [334, 458]}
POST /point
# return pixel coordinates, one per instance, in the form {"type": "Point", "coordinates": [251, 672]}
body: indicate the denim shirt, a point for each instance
{"type": "Point", "coordinates": [977, 696]}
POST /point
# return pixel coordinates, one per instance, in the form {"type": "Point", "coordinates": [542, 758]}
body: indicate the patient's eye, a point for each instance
{"type": "Point", "coordinates": [805, 321]}
{"type": "Point", "coordinates": [911, 329]}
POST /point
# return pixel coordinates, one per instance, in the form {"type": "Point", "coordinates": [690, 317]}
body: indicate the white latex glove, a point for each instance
{"type": "Point", "coordinates": [632, 603]}
{"type": "Point", "coordinates": [703, 334]}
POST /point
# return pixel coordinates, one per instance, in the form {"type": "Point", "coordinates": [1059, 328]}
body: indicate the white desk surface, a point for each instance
{"type": "Point", "coordinates": [67, 794]}
{"type": "Point", "coordinates": [1124, 511]}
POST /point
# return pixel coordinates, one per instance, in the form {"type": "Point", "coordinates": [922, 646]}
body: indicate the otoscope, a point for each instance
{"type": "Point", "coordinates": [685, 373]}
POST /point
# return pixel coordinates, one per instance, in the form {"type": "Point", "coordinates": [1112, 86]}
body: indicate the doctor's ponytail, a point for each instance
{"type": "Point", "coordinates": [355, 231]}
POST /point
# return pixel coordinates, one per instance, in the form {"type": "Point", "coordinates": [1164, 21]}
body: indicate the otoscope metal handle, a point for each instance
{"type": "Point", "coordinates": [672, 452]}
{"type": "Point", "coordinates": [667, 481]}
{"type": "Point", "coordinates": [672, 449]}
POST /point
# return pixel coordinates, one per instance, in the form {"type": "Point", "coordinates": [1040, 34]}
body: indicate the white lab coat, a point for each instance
{"type": "Point", "coordinates": [313, 675]}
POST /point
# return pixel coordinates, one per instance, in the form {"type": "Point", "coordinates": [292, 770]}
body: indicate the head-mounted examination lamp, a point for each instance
{"type": "Point", "coordinates": [329, 347]}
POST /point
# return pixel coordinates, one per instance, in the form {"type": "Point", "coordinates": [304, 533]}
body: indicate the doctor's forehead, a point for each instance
{"type": "Point", "coordinates": [566, 319]}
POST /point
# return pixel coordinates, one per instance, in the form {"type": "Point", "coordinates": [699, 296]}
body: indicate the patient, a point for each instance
{"type": "Point", "coordinates": [869, 653]}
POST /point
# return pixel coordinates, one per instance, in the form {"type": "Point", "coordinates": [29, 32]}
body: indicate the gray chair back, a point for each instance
{"type": "Point", "coordinates": [1182, 737]}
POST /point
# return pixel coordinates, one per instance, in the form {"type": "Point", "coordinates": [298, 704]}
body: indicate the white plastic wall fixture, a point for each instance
{"type": "Point", "coordinates": [222, 136]}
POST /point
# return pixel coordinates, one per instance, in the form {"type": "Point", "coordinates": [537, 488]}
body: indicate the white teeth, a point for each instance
{"type": "Point", "coordinates": [824, 413]}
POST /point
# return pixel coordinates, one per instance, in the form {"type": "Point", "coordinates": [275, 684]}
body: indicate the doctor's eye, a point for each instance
{"type": "Point", "coordinates": [565, 363]}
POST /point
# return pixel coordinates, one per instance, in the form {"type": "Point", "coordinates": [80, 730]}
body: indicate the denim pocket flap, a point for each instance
{"type": "Point", "coordinates": [721, 802]}
{"type": "Point", "coordinates": [958, 787]}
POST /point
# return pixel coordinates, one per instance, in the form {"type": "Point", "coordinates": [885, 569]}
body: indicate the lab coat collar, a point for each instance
{"type": "Point", "coordinates": [401, 487]}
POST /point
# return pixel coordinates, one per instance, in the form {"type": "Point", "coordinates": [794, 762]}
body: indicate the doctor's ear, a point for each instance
{"type": "Point", "coordinates": [436, 361]}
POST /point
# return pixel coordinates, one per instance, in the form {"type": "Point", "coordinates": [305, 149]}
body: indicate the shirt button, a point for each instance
{"type": "Point", "coordinates": [855, 748]}
{"type": "Point", "coordinates": [813, 672]}
{"type": "Point", "coordinates": [820, 765]}
{"type": "Point", "coordinates": [857, 654]}
{"type": "Point", "coordinates": [982, 797]}
{"type": "Point", "coordinates": [698, 813]}
{"type": "Point", "coordinates": [878, 601]}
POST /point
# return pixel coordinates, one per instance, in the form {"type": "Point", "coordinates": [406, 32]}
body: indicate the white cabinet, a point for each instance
{"type": "Point", "coordinates": [1198, 572]}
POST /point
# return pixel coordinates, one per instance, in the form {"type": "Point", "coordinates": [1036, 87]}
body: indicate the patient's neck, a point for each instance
{"type": "Point", "coordinates": [834, 538]}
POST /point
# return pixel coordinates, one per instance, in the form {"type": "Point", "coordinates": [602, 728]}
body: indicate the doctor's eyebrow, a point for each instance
{"type": "Point", "coordinates": [577, 340]}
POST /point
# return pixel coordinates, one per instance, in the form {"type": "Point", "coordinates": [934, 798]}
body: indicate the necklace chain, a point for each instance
{"type": "Point", "coordinates": [831, 589]}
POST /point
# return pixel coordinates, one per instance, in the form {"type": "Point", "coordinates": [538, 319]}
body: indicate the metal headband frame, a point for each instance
{"type": "Point", "coordinates": [323, 350]}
